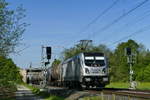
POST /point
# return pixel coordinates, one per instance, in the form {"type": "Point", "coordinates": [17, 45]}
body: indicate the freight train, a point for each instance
{"type": "Point", "coordinates": [83, 70]}
{"type": "Point", "coordinates": [33, 75]}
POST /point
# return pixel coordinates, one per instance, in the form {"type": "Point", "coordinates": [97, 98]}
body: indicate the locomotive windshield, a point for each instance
{"type": "Point", "coordinates": [94, 60]}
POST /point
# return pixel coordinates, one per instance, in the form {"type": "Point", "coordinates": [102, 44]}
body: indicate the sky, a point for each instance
{"type": "Point", "coordinates": [63, 23]}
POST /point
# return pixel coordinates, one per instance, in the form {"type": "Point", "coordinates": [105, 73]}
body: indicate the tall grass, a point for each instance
{"type": "Point", "coordinates": [92, 98]}
{"type": "Point", "coordinates": [143, 85]}
{"type": "Point", "coordinates": [140, 85]}
{"type": "Point", "coordinates": [118, 85]}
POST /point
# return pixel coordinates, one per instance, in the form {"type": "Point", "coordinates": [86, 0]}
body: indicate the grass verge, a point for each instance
{"type": "Point", "coordinates": [43, 94]}
{"type": "Point", "coordinates": [140, 85]}
{"type": "Point", "coordinates": [143, 85]}
{"type": "Point", "coordinates": [118, 85]}
{"type": "Point", "coordinates": [92, 98]}
{"type": "Point", "coordinates": [7, 90]}
{"type": "Point", "coordinates": [54, 98]}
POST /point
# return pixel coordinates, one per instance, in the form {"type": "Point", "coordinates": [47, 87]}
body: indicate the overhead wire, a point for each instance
{"type": "Point", "coordinates": [120, 17]}
{"type": "Point", "coordinates": [130, 23]}
{"type": "Point", "coordinates": [146, 28]}
{"type": "Point", "coordinates": [147, 13]}
{"type": "Point", "coordinates": [99, 16]}
{"type": "Point", "coordinates": [96, 18]}
{"type": "Point", "coordinates": [19, 51]}
{"type": "Point", "coordinates": [114, 21]}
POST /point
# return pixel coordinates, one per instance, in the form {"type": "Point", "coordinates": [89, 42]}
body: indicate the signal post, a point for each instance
{"type": "Point", "coordinates": [45, 55]}
{"type": "Point", "coordinates": [130, 61]}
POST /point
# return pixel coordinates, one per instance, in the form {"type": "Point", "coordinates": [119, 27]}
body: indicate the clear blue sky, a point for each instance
{"type": "Point", "coordinates": [58, 23]}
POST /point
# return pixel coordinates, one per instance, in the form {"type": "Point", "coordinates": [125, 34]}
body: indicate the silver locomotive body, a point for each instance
{"type": "Point", "coordinates": [89, 69]}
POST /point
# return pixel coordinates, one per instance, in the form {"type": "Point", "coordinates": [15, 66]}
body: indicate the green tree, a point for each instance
{"type": "Point", "coordinates": [142, 65]}
{"type": "Point", "coordinates": [9, 71]}
{"type": "Point", "coordinates": [146, 74]}
{"type": "Point", "coordinates": [11, 30]}
{"type": "Point", "coordinates": [11, 26]}
{"type": "Point", "coordinates": [118, 61]}
{"type": "Point", "coordinates": [67, 53]}
{"type": "Point", "coordinates": [56, 62]}
{"type": "Point", "coordinates": [9, 75]}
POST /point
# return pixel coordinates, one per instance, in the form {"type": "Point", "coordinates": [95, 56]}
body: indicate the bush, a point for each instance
{"type": "Point", "coordinates": [147, 74]}
{"type": "Point", "coordinates": [7, 86]}
{"type": "Point", "coordinates": [9, 71]}
{"type": "Point", "coordinates": [9, 75]}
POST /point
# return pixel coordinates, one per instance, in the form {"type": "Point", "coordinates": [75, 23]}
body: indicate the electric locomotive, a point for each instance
{"type": "Point", "coordinates": [84, 69]}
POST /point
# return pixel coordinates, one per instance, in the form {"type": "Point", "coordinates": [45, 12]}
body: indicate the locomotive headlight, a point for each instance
{"type": "Point", "coordinates": [105, 79]}
{"type": "Point", "coordinates": [87, 71]}
{"type": "Point", "coordinates": [87, 79]}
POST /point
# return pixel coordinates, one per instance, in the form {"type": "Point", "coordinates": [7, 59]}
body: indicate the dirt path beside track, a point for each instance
{"type": "Point", "coordinates": [23, 93]}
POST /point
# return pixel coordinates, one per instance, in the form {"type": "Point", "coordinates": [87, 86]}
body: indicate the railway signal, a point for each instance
{"type": "Point", "coordinates": [45, 55]}
{"type": "Point", "coordinates": [130, 61]}
{"type": "Point", "coordinates": [128, 51]}
{"type": "Point", "coordinates": [48, 52]}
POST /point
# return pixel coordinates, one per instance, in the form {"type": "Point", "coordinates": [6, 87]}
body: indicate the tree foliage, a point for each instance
{"type": "Point", "coordinates": [146, 73]}
{"type": "Point", "coordinates": [142, 66]}
{"type": "Point", "coordinates": [9, 75]}
{"type": "Point", "coordinates": [119, 66]}
{"type": "Point", "coordinates": [56, 62]}
{"type": "Point", "coordinates": [11, 28]}
{"type": "Point", "coordinates": [90, 48]}
{"type": "Point", "coordinates": [9, 71]}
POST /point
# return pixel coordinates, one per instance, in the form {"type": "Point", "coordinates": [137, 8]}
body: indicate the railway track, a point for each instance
{"type": "Point", "coordinates": [105, 92]}
{"type": "Point", "coordinates": [114, 92]}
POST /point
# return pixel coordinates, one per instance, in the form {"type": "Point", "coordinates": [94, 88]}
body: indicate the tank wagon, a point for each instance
{"type": "Point", "coordinates": [84, 69]}
{"type": "Point", "coordinates": [34, 75]}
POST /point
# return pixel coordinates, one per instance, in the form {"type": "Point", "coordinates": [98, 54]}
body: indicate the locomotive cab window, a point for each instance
{"type": "Point", "coordinates": [94, 61]}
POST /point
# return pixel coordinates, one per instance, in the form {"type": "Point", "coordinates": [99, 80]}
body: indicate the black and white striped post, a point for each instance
{"type": "Point", "coordinates": [129, 54]}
